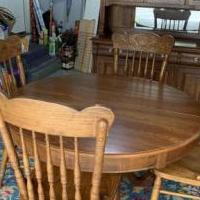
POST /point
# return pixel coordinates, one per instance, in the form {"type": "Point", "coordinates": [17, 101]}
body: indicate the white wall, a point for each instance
{"type": "Point", "coordinates": [92, 11]}
{"type": "Point", "coordinates": [27, 19]}
{"type": "Point", "coordinates": [59, 10]}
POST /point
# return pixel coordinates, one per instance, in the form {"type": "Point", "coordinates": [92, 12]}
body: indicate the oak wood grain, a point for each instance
{"type": "Point", "coordinates": [51, 119]}
{"type": "Point", "coordinates": [151, 119]}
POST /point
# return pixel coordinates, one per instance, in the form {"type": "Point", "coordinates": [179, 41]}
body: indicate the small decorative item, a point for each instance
{"type": "Point", "coordinates": [45, 42]}
{"type": "Point", "coordinates": [68, 49]}
{"type": "Point", "coordinates": [52, 46]}
{"type": "Point", "coordinates": [67, 57]}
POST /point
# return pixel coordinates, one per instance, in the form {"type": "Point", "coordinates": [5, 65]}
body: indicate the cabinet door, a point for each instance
{"type": "Point", "coordinates": [121, 18]}
{"type": "Point", "coordinates": [17, 8]}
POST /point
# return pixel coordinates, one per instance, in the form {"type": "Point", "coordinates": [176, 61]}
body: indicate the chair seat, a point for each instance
{"type": "Point", "coordinates": [186, 170]}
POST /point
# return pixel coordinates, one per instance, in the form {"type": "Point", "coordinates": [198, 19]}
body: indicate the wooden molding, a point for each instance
{"type": "Point", "coordinates": [157, 3]}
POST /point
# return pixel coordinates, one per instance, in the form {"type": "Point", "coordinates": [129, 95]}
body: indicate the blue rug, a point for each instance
{"type": "Point", "coordinates": [141, 189]}
{"type": "Point", "coordinates": [133, 186]}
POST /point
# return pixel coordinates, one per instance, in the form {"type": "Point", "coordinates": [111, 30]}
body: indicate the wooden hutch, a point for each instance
{"type": "Point", "coordinates": [120, 15]}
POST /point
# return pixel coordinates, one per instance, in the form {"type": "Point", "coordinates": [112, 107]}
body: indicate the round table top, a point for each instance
{"type": "Point", "coordinates": [154, 124]}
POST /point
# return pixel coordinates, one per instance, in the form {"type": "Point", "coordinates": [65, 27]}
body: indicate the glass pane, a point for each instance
{"type": "Point", "coordinates": [167, 19]}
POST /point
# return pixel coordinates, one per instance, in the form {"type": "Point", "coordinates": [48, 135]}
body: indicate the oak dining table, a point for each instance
{"type": "Point", "coordinates": [154, 124]}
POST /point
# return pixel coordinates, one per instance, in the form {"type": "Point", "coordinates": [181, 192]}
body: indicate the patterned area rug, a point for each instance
{"type": "Point", "coordinates": [138, 186]}
{"type": "Point", "coordinates": [134, 186]}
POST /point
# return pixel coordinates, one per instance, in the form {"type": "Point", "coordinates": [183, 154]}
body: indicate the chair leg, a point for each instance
{"type": "Point", "coordinates": [3, 165]}
{"type": "Point", "coordinates": [156, 189]}
{"type": "Point", "coordinates": [115, 193]}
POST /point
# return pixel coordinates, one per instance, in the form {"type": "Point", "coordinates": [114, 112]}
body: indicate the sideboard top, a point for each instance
{"type": "Point", "coordinates": [185, 4]}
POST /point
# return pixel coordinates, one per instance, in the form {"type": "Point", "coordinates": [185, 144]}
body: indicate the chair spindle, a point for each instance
{"type": "Point", "coordinates": [77, 173]}
{"type": "Point", "coordinates": [153, 65]}
{"type": "Point", "coordinates": [12, 74]}
{"type": "Point", "coordinates": [146, 65]}
{"type": "Point", "coordinates": [63, 170]}
{"type": "Point", "coordinates": [38, 169]}
{"type": "Point", "coordinates": [126, 62]}
{"type": "Point", "coordinates": [139, 64]}
{"type": "Point", "coordinates": [26, 167]}
{"type": "Point", "coordinates": [50, 171]}
{"type": "Point", "coordinates": [21, 70]}
{"type": "Point", "coordinates": [133, 63]}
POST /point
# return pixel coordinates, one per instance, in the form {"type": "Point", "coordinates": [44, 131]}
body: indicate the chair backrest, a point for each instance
{"type": "Point", "coordinates": [12, 70]}
{"type": "Point", "coordinates": [33, 118]}
{"type": "Point", "coordinates": [141, 53]}
{"type": "Point", "coordinates": [171, 19]}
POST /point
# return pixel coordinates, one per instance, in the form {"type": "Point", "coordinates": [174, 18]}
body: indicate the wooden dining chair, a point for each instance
{"type": "Point", "coordinates": [12, 73]}
{"type": "Point", "coordinates": [142, 55]}
{"type": "Point", "coordinates": [11, 76]}
{"type": "Point", "coordinates": [34, 119]}
{"type": "Point", "coordinates": [185, 171]}
{"type": "Point", "coordinates": [171, 19]}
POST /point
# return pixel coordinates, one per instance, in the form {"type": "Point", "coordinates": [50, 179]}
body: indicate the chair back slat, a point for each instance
{"type": "Point", "coordinates": [5, 81]}
{"type": "Point", "coordinates": [139, 64]}
{"type": "Point", "coordinates": [77, 172]}
{"type": "Point", "coordinates": [146, 65]}
{"type": "Point", "coordinates": [12, 74]}
{"type": "Point", "coordinates": [133, 63]}
{"type": "Point", "coordinates": [27, 170]}
{"type": "Point", "coordinates": [163, 67]}
{"type": "Point", "coordinates": [116, 60]}
{"type": "Point", "coordinates": [93, 122]}
{"type": "Point", "coordinates": [63, 170]}
{"type": "Point", "coordinates": [141, 46]}
{"type": "Point", "coordinates": [50, 172]}
{"type": "Point", "coordinates": [21, 69]}
{"type": "Point", "coordinates": [153, 66]}
{"type": "Point", "coordinates": [38, 169]}
{"type": "Point", "coordinates": [126, 61]}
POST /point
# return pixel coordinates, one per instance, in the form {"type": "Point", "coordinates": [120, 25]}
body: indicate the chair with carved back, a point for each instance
{"type": "Point", "coordinates": [185, 171]}
{"type": "Point", "coordinates": [142, 55]}
{"type": "Point", "coordinates": [35, 119]}
{"type": "Point", "coordinates": [171, 19]}
{"type": "Point", "coordinates": [11, 75]}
